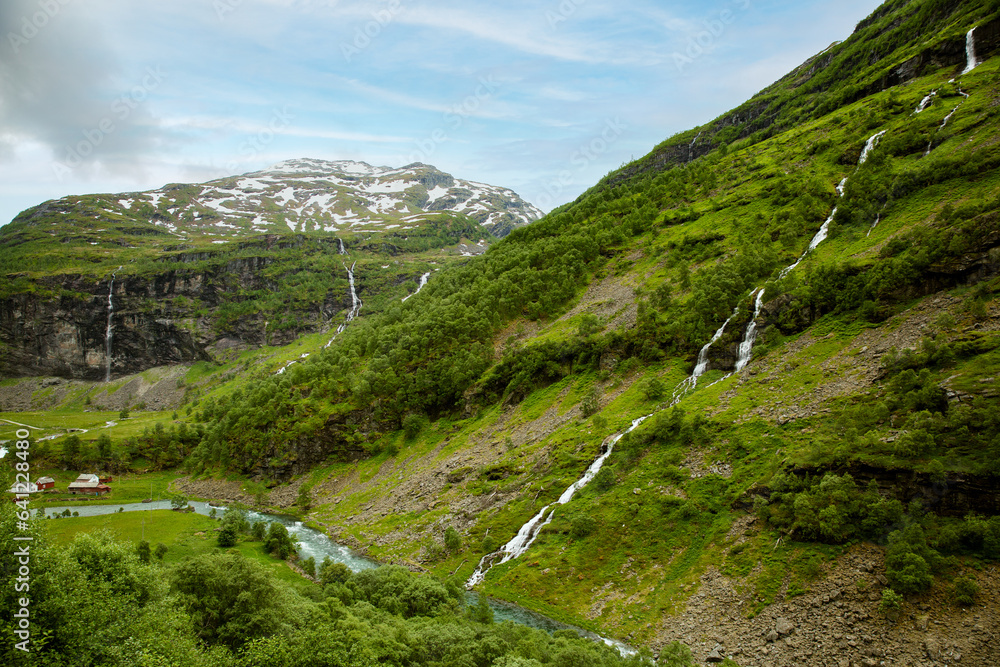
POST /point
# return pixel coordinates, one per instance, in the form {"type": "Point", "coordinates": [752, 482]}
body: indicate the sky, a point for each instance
{"type": "Point", "coordinates": [544, 97]}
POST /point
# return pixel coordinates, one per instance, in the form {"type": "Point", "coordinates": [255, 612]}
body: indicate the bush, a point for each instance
{"type": "Point", "coordinates": [909, 561]}
{"type": "Point", "coordinates": [452, 539]}
{"type": "Point", "coordinates": [143, 551]}
{"type": "Point", "coordinates": [333, 573]}
{"type": "Point", "coordinates": [278, 541]}
{"type": "Point", "coordinates": [654, 389]}
{"type": "Point", "coordinates": [258, 531]}
{"type": "Point", "coordinates": [965, 591]}
{"type": "Point", "coordinates": [227, 536]}
{"type": "Point", "coordinates": [582, 525]}
{"type": "Point", "coordinates": [413, 424]}
{"type": "Point", "coordinates": [676, 654]}
{"type": "Point", "coordinates": [891, 603]}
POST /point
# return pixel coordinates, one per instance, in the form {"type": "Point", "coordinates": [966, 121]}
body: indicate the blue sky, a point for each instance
{"type": "Point", "coordinates": [543, 97]}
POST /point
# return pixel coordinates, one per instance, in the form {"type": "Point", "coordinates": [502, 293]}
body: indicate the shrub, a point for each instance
{"type": "Point", "coordinates": [582, 525]}
{"type": "Point", "coordinates": [452, 539]}
{"type": "Point", "coordinates": [413, 424]}
{"type": "Point", "coordinates": [891, 602]}
{"type": "Point", "coordinates": [227, 536]}
{"type": "Point", "coordinates": [676, 654]}
{"type": "Point", "coordinates": [333, 573]}
{"type": "Point", "coordinates": [965, 591]}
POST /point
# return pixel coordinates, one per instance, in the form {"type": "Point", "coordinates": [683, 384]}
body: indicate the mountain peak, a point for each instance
{"type": "Point", "coordinates": [313, 165]}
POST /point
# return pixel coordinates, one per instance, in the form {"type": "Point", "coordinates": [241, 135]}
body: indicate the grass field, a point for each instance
{"type": "Point", "coordinates": [185, 535]}
{"type": "Point", "coordinates": [128, 488]}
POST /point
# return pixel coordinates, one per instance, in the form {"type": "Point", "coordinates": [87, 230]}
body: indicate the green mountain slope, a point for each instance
{"type": "Point", "coordinates": [240, 262]}
{"type": "Point", "coordinates": [848, 218]}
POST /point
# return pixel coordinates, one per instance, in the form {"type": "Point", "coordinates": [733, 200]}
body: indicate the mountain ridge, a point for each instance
{"type": "Point", "coordinates": [809, 319]}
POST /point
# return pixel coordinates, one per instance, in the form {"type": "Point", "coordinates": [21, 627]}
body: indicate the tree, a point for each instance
{"type": "Point", "coordinates": [413, 424]}
{"type": "Point", "coordinates": [278, 541]}
{"type": "Point", "coordinates": [230, 599]}
{"type": "Point", "coordinates": [259, 530]}
{"type": "Point", "coordinates": [654, 388]}
{"type": "Point", "coordinates": [71, 451]}
{"type": "Point", "coordinates": [589, 325]}
{"type": "Point", "coordinates": [227, 536]}
{"type": "Point", "coordinates": [452, 539]}
{"type": "Point", "coordinates": [160, 551]}
{"type": "Point", "coordinates": [303, 500]}
{"type": "Point", "coordinates": [123, 414]}
{"type": "Point", "coordinates": [143, 551]}
{"type": "Point", "coordinates": [591, 403]}
{"type": "Point", "coordinates": [104, 446]}
{"type": "Point", "coordinates": [333, 573]}
{"type": "Point", "coordinates": [308, 566]}
{"type": "Point", "coordinates": [237, 516]}
{"type": "Point", "coordinates": [178, 501]}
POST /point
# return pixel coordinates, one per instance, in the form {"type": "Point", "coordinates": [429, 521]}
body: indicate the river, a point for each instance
{"type": "Point", "coordinates": [317, 545]}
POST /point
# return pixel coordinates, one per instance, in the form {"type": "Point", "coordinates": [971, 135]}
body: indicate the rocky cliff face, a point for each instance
{"type": "Point", "coordinates": [161, 319]}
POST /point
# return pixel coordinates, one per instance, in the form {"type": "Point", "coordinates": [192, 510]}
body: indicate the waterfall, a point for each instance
{"type": "Point", "coordinates": [874, 224]}
{"type": "Point", "coordinates": [965, 96]}
{"type": "Point", "coordinates": [701, 365]}
{"type": "Point", "coordinates": [109, 331]}
{"type": "Point", "coordinates": [529, 531]}
{"type": "Point", "coordinates": [341, 244]}
{"type": "Point", "coordinates": [870, 146]}
{"type": "Point", "coordinates": [924, 103]}
{"type": "Point", "coordinates": [746, 347]}
{"type": "Point", "coordinates": [970, 52]}
{"type": "Point", "coordinates": [423, 281]}
{"type": "Point", "coordinates": [355, 305]}
{"type": "Point", "coordinates": [691, 145]}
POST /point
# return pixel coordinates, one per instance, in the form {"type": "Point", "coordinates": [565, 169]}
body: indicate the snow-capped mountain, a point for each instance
{"type": "Point", "coordinates": [338, 197]}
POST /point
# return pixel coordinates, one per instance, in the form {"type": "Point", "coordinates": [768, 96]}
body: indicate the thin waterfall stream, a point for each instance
{"type": "Point", "coordinates": [109, 331]}
{"type": "Point", "coordinates": [423, 281]}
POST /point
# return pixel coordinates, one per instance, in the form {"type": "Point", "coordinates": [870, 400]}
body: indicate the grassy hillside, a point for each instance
{"type": "Point", "coordinates": [855, 455]}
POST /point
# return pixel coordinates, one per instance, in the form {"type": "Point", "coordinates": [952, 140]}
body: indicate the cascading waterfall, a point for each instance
{"type": "Point", "coordinates": [965, 96]}
{"type": "Point", "coordinates": [971, 62]}
{"type": "Point", "coordinates": [870, 146]}
{"type": "Point", "coordinates": [926, 102]}
{"type": "Point", "coordinates": [746, 347]}
{"type": "Point", "coordinates": [878, 218]}
{"type": "Point", "coordinates": [691, 145]}
{"type": "Point", "coordinates": [423, 281]}
{"type": "Point", "coordinates": [529, 531]}
{"type": "Point", "coordinates": [341, 244]}
{"type": "Point", "coordinates": [355, 305]}
{"type": "Point", "coordinates": [109, 331]}
{"type": "Point", "coordinates": [824, 229]}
